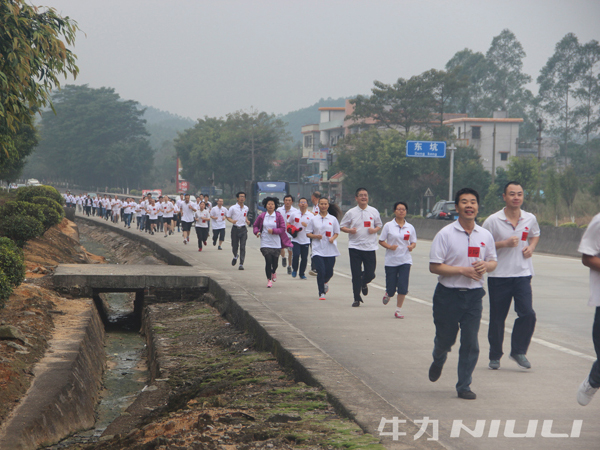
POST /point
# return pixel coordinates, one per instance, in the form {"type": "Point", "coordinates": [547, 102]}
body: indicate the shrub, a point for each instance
{"type": "Point", "coordinates": [417, 217]}
{"type": "Point", "coordinates": [115, 190]}
{"type": "Point", "coordinates": [45, 201]}
{"type": "Point", "coordinates": [22, 208]}
{"type": "Point", "coordinates": [135, 192]}
{"type": "Point", "coordinates": [26, 194]}
{"type": "Point", "coordinates": [5, 289]}
{"type": "Point", "coordinates": [20, 228]}
{"type": "Point", "coordinates": [584, 226]}
{"type": "Point", "coordinates": [569, 225]}
{"type": "Point", "coordinates": [12, 261]}
{"type": "Point", "coordinates": [51, 217]}
{"type": "Point", "coordinates": [545, 223]}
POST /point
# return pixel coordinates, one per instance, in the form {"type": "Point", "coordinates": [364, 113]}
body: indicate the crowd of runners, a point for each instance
{"type": "Point", "coordinates": [461, 254]}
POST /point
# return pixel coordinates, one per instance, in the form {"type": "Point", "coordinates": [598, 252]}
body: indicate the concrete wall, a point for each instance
{"type": "Point", "coordinates": [64, 393]}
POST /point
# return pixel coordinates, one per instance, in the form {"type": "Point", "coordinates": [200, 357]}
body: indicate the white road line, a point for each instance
{"type": "Point", "coordinates": [543, 342]}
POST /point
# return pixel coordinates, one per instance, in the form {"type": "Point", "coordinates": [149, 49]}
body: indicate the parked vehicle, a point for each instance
{"type": "Point", "coordinates": [443, 210]}
{"type": "Point", "coordinates": [33, 182]}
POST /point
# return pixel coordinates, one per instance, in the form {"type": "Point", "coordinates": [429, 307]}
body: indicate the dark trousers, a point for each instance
{"type": "Point", "coordinates": [595, 373]}
{"type": "Point", "coordinates": [324, 267]}
{"type": "Point", "coordinates": [360, 259]}
{"type": "Point", "coordinates": [239, 236]}
{"type": "Point", "coordinates": [501, 293]}
{"type": "Point", "coordinates": [300, 256]}
{"type": "Point", "coordinates": [202, 234]}
{"type": "Point", "coordinates": [219, 235]}
{"type": "Point", "coordinates": [271, 260]}
{"type": "Point", "coordinates": [454, 309]}
{"type": "Point", "coordinates": [396, 279]}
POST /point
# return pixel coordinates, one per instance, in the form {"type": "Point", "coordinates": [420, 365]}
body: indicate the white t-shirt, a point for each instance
{"type": "Point", "coordinates": [296, 219]}
{"type": "Point", "coordinates": [202, 218]}
{"type": "Point", "coordinates": [325, 226]}
{"type": "Point", "coordinates": [107, 204]}
{"type": "Point", "coordinates": [135, 207]}
{"type": "Point", "coordinates": [511, 262]}
{"type": "Point", "coordinates": [168, 210]}
{"type": "Point", "coordinates": [394, 234]}
{"type": "Point", "coordinates": [238, 214]}
{"type": "Point", "coordinates": [454, 247]}
{"type": "Point", "coordinates": [269, 240]}
{"type": "Point", "coordinates": [362, 220]}
{"type": "Point", "coordinates": [217, 216]}
{"type": "Point", "coordinates": [153, 211]}
{"type": "Point", "coordinates": [127, 206]}
{"type": "Point", "coordinates": [590, 245]}
{"type": "Point", "coordinates": [187, 211]}
{"type": "Point", "coordinates": [178, 202]}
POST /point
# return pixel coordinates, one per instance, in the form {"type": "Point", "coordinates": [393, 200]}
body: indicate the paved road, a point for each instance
{"type": "Point", "coordinates": [392, 356]}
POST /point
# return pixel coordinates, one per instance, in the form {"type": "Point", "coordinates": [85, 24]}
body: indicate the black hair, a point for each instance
{"type": "Point", "coordinates": [333, 209]}
{"type": "Point", "coordinates": [360, 189]}
{"type": "Point", "coordinates": [464, 191]}
{"type": "Point", "coordinates": [271, 199]}
{"type": "Point", "coordinates": [302, 198]}
{"type": "Point", "coordinates": [509, 183]}
{"type": "Point", "coordinates": [400, 203]}
{"type": "Point", "coordinates": [290, 196]}
{"type": "Point", "coordinates": [238, 194]}
{"type": "Point", "coordinates": [316, 194]}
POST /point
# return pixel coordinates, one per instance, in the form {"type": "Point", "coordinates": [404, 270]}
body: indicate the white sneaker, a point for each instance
{"type": "Point", "coordinates": [586, 392]}
{"type": "Point", "coordinates": [386, 298]}
{"type": "Point", "coordinates": [326, 288]}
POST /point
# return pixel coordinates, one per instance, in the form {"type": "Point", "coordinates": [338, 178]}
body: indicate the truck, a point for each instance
{"type": "Point", "coordinates": [259, 190]}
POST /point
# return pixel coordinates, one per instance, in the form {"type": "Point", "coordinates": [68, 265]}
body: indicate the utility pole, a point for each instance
{"type": "Point", "coordinates": [451, 187]}
{"type": "Point", "coordinates": [494, 156]}
{"type": "Point", "coordinates": [539, 139]}
{"type": "Point", "coordinates": [252, 137]}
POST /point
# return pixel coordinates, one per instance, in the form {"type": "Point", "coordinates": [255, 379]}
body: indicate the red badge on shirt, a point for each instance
{"type": "Point", "coordinates": [474, 252]}
{"type": "Point", "coordinates": [367, 224]}
{"type": "Point", "coordinates": [244, 214]}
{"type": "Point", "coordinates": [406, 236]}
{"type": "Point", "coordinates": [328, 233]}
{"type": "Point", "coordinates": [288, 216]}
{"type": "Point", "coordinates": [525, 234]}
{"type": "Point", "coordinates": [222, 214]}
{"type": "Point", "coordinates": [297, 220]}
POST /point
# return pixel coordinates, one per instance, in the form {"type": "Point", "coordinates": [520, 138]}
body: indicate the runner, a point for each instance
{"type": "Point", "coordinates": [590, 257]}
{"type": "Point", "coordinates": [116, 209]}
{"type": "Point", "coordinates": [270, 228]}
{"type": "Point", "coordinates": [152, 210]}
{"type": "Point", "coordinates": [516, 233]}
{"type": "Point", "coordinates": [461, 254]}
{"type": "Point", "coordinates": [188, 209]}
{"type": "Point", "coordinates": [362, 223]}
{"type": "Point", "coordinates": [217, 216]}
{"type": "Point", "coordinates": [238, 216]}
{"type": "Point", "coordinates": [323, 231]}
{"type": "Point", "coordinates": [314, 198]}
{"type": "Point", "coordinates": [168, 212]}
{"type": "Point", "coordinates": [399, 238]}
{"type": "Point", "coordinates": [299, 219]}
{"type": "Point", "coordinates": [286, 211]}
{"type": "Point", "coordinates": [202, 218]}
{"type": "Point", "coordinates": [107, 207]}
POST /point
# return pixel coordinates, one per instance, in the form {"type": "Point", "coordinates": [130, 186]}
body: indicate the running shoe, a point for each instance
{"type": "Point", "coordinates": [399, 315]}
{"type": "Point", "coordinates": [185, 241]}
{"type": "Point", "coordinates": [313, 272]}
{"type": "Point", "coordinates": [274, 277]}
{"type": "Point", "coordinates": [234, 261]}
{"type": "Point", "coordinates": [365, 290]}
{"type": "Point", "coordinates": [303, 277]}
{"type": "Point", "coordinates": [241, 267]}
{"type": "Point", "coordinates": [220, 248]}
{"type": "Point", "coordinates": [386, 298]}
{"type": "Point", "coordinates": [326, 288]}
{"type": "Point", "coordinates": [321, 296]}
{"type": "Point", "coordinates": [289, 270]}
{"type": "Point", "coordinates": [586, 392]}
{"type": "Point", "coordinates": [269, 284]}
{"type": "Point", "coordinates": [205, 243]}
{"type": "Point", "coordinates": [199, 249]}
{"type": "Point", "coordinates": [294, 274]}
{"type": "Point", "coordinates": [283, 262]}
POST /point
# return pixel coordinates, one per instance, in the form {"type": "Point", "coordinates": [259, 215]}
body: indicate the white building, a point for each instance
{"type": "Point", "coordinates": [479, 133]}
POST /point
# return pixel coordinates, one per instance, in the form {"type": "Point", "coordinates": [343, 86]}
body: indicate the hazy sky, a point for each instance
{"type": "Point", "coordinates": [201, 58]}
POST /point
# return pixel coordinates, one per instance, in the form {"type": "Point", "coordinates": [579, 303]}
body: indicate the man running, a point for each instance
{"type": "Point", "coordinates": [238, 216]}
{"type": "Point", "coordinates": [188, 208]}
{"type": "Point", "coordinates": [217, 216]}
{"type": "Point", "coordinates": [286, 211]}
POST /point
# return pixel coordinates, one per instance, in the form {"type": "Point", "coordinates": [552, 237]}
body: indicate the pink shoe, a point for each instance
{"type": "Point", "coordinates": [269, 284]}
{"type": "Point", "coordinates": [274, 277]}
{"type": "Point", "coordinates": [398, 315]}
{"type": "Point", "coordinates": [199, 249]}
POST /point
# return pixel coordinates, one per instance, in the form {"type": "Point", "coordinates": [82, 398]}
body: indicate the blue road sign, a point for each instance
{"type": "Point", "coordinates": [426, 149]}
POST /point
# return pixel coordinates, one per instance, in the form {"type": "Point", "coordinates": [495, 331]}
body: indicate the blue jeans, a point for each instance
{"type": "Point", "coordinates": [127, 219]}
{"type": "Point", "coordinates": [501, 293]}
{"type": "Point", "coordinates": [454, 308]}
{"type": "Point", "coordinates": [300, 256]}
{"type": "Point", "coordinates": [324, 267]}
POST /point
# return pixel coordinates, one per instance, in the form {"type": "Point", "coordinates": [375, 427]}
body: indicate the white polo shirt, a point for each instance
{"type": "Point", "coordinates": [590, 245]}
{"type": "Point", "coordinates": [238, 214]}
{"type": "Point", "coordinates": [202, 218]}
{"type": "Point", "coordinates": [511, 262]}
{"type": "Point", "coordinates": [454, 247]}
{"type": "Point", "coordinates": [325, 226]}
{"type": "Point", "coordinates": [168, 210]}
{"type": "Point", "coordinates": [187, 211]}
{"type": "Point", "coordinates": [362, 220]}
{"type": "Point", "coordinates": [286, 214]}
{"type": "Point", "coordinates": [269, 240]}
{"type": "Point", "coordinates": [153, 211]}
{"type": "Point", "coordinates": [217, 216]}
{"type": "Point", "coordinates": [394, 234]}
{"type": "Point", "coordinates": [296, 219]}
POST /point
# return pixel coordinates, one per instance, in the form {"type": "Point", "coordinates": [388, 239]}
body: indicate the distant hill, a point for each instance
{"type": "Point", "coordinates": [163, 126]}
{"type": "Point", "coordinates": [305, 116]}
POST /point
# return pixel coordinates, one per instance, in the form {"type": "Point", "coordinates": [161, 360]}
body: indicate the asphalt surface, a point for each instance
{"type": "Point", "coordinates": [515, 408]}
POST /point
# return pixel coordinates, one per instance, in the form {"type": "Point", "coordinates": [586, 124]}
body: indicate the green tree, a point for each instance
{"type": "Point", "coordinates": [588, 93]}
{"type": "Point", "coordinates": [32, 57]}
{"type": "Point", "coordinates": [474, 68]}
{"type": "Point", "coordinates": [95, 139]}
{"type": "Point", "coordinates": [552, 192]}
{"type": "Point", "coordinates": [558, 80]}
{"type": "Point", "coordinates": [569, 186]}
{"type": "Point", "coordinates": [443, 86]}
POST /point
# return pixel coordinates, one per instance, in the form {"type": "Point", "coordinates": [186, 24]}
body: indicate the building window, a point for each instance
{"type": "Point", "coordinates": [308, 141]}
{"type": "Point", "coordinates": [503, 156]}
{"type": "Point", "coordinates": [476, 132]}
